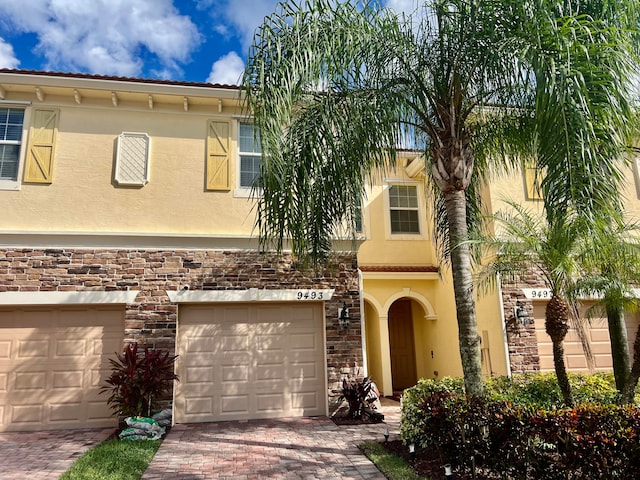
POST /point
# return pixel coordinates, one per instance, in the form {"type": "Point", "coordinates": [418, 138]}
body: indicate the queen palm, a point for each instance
{"type": "Point", "coordinates": [336, 89]}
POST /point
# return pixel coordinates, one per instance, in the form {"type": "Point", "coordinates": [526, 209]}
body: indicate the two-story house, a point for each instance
{"type": "Point", "coordinates": [127, 215]}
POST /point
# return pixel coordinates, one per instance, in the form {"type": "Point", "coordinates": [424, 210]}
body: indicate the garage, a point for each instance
{"type": "Point", "coordinates": [240, 361]}
{"type": "Point", "coordinates": [52, 362]}
{"type": "Point", "coordinates": [598, 337]}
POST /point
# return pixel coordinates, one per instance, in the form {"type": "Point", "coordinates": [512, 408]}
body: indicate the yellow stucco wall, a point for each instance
{"type": "Point", "coordinates": [83, 197]}
{"type": "Point", "coordinates": [435, 327]}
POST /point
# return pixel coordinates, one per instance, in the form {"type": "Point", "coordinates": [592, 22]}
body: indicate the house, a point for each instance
{"type": "Point", "coordinates": [128, 216]}
{"type": "Point", "coordinates": [530, 348]}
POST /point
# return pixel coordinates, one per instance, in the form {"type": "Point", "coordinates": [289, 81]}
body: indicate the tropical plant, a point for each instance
{"type": "Point", "coordinates": [524, 241]}
{"type": "Point", "coordinates": [611, 259]}
{"type": "Point", "coordinates": [138, 381]}
{"type": "Point", "coordinates": [360, 395]}
{"type": "Point", "coordinates": [337, 88]}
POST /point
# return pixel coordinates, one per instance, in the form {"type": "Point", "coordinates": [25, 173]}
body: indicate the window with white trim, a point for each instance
{"type": "Point", "coordinates": [11, 127]}
{"type": "Point", "coordinates": [404, 209]}
{"type": "Point", "coordinates": [250, 155]}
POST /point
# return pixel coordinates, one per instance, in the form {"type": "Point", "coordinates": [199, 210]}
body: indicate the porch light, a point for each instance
{"type": "Point", "coordinates": [521, 316]}
{"type": "Point", "coordinates": [343, 316]}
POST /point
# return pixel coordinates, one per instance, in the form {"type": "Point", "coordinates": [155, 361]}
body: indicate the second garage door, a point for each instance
{"type": "Point", "coordinates": [250, 361]}
{"type": "Point", "coordinates": [53, 362]}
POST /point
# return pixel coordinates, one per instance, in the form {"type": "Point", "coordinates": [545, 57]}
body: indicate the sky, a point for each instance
{"type": "Point", "coordinates": [183, 40]}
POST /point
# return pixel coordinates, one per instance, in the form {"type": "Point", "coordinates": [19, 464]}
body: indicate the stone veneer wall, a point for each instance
{"type": "Point", "coordinates": [522, 341]}
{"type": "Point", "coordinates": [151, 320]}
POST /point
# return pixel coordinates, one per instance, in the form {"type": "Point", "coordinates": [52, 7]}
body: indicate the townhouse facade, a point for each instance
{"type": "Point", "coordinates": [128, 216]}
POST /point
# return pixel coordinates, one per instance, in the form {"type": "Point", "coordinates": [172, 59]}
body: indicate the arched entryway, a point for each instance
{"type": "Point", "coordinates": [402, 345]}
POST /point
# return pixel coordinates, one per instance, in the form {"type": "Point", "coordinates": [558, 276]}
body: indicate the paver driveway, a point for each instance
{"type": "Point", "coordinates": [294, 448]}
{"type": "Point", "coordinates": [45, 455]}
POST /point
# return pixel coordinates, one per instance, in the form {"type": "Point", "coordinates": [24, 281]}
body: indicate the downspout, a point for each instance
{"type": "Point", "coordinates": [504, 325]}
{"type": "Point", "coordinates": [363, 334]}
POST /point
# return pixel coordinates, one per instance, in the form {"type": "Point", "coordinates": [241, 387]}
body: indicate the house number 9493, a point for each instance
{"type": "Point", "coordinates": [309, 295]}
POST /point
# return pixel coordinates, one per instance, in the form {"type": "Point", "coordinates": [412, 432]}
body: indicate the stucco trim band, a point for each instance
{"type": "Point", "coordinates": [68, 298]}
{"type": "Point", "coordinates": [250, 295]}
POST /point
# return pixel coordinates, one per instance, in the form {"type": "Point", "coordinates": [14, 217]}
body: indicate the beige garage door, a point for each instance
{"type": "Point", "coordinates": [249, 361]}
{"type": "Point", "coordinates": [52, 363]}
{"type": "Point", "coordinates": [597, 334]}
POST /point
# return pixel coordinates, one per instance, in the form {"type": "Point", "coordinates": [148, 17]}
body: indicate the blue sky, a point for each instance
{"type": "Point", "coordinates": [190, 40]}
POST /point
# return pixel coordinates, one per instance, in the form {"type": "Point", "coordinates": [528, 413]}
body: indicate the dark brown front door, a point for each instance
{"type": "Point", "coordinates": [403, 354]}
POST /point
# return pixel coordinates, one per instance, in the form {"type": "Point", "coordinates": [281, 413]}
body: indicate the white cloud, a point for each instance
{"type": "Point", "coordinates": [105, 36]}
{"type": "Point", "coordinates": [7, 57]}
{"type": "Point", "coordinates": [239, 17]}
{"type": "Point", "coordinates": [403, 6]}
{"type": "Point", "coordinates": [227, 69]}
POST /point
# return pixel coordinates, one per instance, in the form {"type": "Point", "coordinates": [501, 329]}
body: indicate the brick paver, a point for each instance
{"type": "Point", "coordinates": [292, 448]}
{"type": "Point", "coordinates": [45, 455]}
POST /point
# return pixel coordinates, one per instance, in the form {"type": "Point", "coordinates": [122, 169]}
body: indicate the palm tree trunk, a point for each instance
{"type": "Point", "coordinates": [468, 338]}
{"type": "Point", "coordinates": [561, 373]}
{"type": "Point", "coordinates": [632, 379]}
{"type": "Point", "coordinates": [619, 346]}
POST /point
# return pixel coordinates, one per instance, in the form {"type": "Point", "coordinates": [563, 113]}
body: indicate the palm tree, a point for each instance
{"type": "Point", "coordinates": [524, 242]}
{"type": "Point", "coordinates": [611, 258]}
{"type": "Point", "coordinates": [336, 89]}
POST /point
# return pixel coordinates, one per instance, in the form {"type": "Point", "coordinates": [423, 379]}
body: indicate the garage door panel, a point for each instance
{"type": "Point", "coordinates": [25, 416]}
{"type": "Point", "coordinates": [271, 403]}
{"type": "Point", "coordinates": [65, 413]}
{"type": "Point", "coordinates": [234, 373]}
{"type": "Point", "coordinates": [52, 365]}
{"type": "Point", "coordinates": [263, 354]}
{"type": "Point", "coordinates": [304, 371]}
{"type": "Point", "coordinates": [235, 405]}
{"type": "Point", "coordinates": [68, 379]}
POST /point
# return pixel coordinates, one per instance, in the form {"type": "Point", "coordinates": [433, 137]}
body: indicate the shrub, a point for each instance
{"type": "Point", "coordinates": [591, 441]}
{"type": "Point", "coordinates": [137, 381]}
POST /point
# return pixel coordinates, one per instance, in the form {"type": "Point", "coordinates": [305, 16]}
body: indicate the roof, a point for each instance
{"type": "Point", "coordinates": [117, 79]}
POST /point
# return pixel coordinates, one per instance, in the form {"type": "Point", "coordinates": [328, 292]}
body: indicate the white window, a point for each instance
{"type": "Point", "coordinates": [132, 159]}
{"type": "Point", "coordinates": [404, 209]}
{"type": "Point", "coordinates": [11, 128]}
{"type": "Point", "coordinates": [250, 155]}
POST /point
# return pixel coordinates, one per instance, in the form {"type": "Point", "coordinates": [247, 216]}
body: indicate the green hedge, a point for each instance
{"type": "Point", "coordinates": [520, 430]}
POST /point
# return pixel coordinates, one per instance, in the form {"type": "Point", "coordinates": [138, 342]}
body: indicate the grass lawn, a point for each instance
{"type": "Point", "coordinates": [114, 460]}
{"type": "Point", "coordinates": [392, 466]}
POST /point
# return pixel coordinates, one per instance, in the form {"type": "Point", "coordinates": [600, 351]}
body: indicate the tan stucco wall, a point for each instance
{"type": "Point", "coordinates": [83, 196]}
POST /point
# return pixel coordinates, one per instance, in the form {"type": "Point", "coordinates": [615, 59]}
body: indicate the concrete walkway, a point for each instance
{"type": "Point", "coordinates": [292, 448]}
{"type": "Point", "coordinates": [45, 455]}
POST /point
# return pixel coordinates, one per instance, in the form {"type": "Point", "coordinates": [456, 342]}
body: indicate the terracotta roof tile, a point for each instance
{"type": "Point", "coordinates": [399, 268]}
{"type": "Point", "coordinates": [117, 79]}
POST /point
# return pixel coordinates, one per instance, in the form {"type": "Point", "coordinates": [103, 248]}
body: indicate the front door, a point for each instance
{"type": "Point", "coordinates": [401, 342]}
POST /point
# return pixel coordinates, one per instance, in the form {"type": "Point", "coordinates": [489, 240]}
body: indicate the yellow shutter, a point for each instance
{"type": "Point", "coordinates": [218, 156]}
{"type": "Point", "coordinates": [533, 182]}
{"type": "Point", "coordinates": [40, 150]}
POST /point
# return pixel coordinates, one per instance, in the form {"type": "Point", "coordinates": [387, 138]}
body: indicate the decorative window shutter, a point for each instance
{"type": "Point", "coordinates": [533, 182]}
{"type": "Point", "coordinates": [132, 159]}
{"type": "Point", "coordinates": [218, 156]}
{"type": "Point", "coordinates": [40, 150]}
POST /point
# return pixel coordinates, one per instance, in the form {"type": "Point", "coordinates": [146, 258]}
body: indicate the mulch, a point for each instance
{"type": "Point", "coordinates": [427, 463]}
